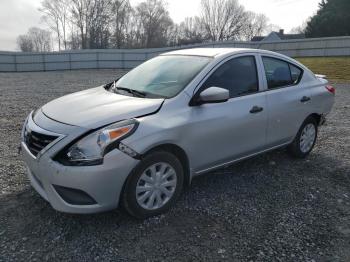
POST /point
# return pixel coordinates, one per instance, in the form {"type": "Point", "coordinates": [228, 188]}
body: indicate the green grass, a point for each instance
{"type": "Point", "coordinates": [337, 69]}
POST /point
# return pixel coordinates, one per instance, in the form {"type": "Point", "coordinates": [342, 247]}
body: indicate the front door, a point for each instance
{"type": "Point", "coordinates": [230, 130]}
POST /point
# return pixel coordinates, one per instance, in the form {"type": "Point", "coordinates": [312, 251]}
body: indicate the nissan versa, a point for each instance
{"type": "Point", "coordinates": [139, 140]}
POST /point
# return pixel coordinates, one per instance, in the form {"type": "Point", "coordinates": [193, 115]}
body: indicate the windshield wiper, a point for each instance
{"type": "Point", "coordinates": [132, 91]}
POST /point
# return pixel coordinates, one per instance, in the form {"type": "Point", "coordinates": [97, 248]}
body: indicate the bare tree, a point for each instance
{"type": "Point", "coordinates": [191, 31]}
{"type": "Point", "coordinates": [80, 17]}
{"type": "Point", "coordinates": [100, 19]}
{"type": "Point", "coordinates": [38, 40]}
{"type": "Point", "coordinates": [82, 24]}
{"type": "Point", "coordinates": [92, 18]}
{"type": "Point", "coordinates": [172, 35]}
{"type": "Point", "coordinates": [56, 16]}
{"type": "Point", "coordinates": [41, 38]}
{"type": "Point", "coordinates": [74, 40]}
{"type": "Point", "coordinates": [121, 16]}
{"type": "Point", "coordinates": [256, 25]}
{"type": "Point", "coordinates": [134, 31]}
{"type": "Point", "coordinates": [25, 43]}
{"type": "Point", "coordinates": [223, 19]}
{"type": "Point", "coordinates": [64, 18]}
{"type": "Point", "coordinates": [154, 21]}
{"type": "Point", "coordinates": [51, 13]}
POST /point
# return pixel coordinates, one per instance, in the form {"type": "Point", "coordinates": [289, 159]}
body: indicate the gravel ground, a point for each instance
{"type": "Point", "coordinates": [269, 208]}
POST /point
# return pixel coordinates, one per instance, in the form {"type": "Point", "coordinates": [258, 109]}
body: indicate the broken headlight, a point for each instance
{"type": "Point", "coordinates": [91, 149]}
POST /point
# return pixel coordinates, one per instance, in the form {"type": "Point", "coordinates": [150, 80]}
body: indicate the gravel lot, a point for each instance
{"type": "Point", "coordinates": [269, 208]}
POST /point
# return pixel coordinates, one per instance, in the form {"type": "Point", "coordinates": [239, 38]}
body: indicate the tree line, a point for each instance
{"type": "Point", "coordinates": [95, 24]}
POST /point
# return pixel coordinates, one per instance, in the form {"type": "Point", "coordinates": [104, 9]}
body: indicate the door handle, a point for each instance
{"type": "Point", "coordinates": [305, 99]}
{"type": "Point", "coordinates": [256, 109]}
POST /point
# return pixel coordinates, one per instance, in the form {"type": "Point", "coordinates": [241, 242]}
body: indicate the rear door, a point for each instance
{"type": "Point", "coordinates": [233, 129]}
{"type": "Point", "coordinates": [287, 99]}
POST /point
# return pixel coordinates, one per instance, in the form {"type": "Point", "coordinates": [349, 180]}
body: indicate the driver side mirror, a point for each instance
{"type": "Point", "coordinates": [212, 95]}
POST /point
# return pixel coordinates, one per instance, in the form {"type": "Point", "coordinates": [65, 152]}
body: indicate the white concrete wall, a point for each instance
{"type": "Point", "coordinates": [129, 58]}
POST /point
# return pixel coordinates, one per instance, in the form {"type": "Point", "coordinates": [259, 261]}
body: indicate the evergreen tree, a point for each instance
{"type": "Point", "coordinates": [332, 19]}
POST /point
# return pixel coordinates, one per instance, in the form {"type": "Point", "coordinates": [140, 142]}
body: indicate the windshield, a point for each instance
{"type": "Point", "coordinates": [163, 76]}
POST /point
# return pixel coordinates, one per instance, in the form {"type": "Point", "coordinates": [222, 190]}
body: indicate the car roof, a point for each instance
{"type": "Point", "coordinates": [223, 52]}
{"type": "Point", "coordinates": [210, 52]}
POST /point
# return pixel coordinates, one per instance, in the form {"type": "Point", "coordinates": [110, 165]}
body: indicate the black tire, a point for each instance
{"type": "Point", "coordinates": [129, 200]}
{"type": "Point", "coordinates": [295, 147]}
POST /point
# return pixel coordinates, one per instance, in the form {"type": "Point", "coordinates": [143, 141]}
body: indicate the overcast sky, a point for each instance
{"type": "Point", "coordinates": [16, 16]}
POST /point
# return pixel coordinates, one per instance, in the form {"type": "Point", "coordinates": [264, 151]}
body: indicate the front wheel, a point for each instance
{"type": "Point", "coordinates": [154, 185]}
{"type": "Point", "coordinates": [305, 140]}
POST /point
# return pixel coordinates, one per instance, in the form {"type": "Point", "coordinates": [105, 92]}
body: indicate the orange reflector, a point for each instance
{"type": "Point", "coordinates": [113, 134]}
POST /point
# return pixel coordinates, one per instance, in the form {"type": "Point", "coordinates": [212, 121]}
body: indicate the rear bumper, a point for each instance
{"type": "Point", "coordinates": [103, 183]}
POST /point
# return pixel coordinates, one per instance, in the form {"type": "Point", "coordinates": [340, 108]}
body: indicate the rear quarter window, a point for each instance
{"type": "Point", "coordinates": [296, 73]}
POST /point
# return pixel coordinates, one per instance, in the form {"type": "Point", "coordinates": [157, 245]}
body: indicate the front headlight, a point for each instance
{"type": "Point", "coordinates": [91, 149]}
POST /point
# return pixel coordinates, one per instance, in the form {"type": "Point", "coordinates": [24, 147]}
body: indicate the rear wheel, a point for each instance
{"type": "Point", "coordinates": [154, 185]}
{"type": "Point", "coordinates": [305, 139]}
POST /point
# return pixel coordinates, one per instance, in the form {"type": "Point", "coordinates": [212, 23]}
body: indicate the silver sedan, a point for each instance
{"type": "Point", "coordinates": [139, 140]}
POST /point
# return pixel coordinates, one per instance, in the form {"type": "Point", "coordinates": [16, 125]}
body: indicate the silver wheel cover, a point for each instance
{"type": "Point", "coordinates": [156, 186]}
{"type": "Point", "coordinates": [307, 138]}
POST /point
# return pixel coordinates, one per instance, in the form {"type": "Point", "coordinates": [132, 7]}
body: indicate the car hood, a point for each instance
{"type": "Point", "coordinates": [96, 107]}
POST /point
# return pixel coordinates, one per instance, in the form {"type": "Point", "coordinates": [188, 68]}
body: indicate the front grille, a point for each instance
{"type": "Point", "coordinates": [36, 141]}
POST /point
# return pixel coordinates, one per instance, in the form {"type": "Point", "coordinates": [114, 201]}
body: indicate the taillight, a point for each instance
{"type": "Point", "coordinates": [330, 89]}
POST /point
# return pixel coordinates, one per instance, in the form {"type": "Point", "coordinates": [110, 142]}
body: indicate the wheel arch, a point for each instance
{"type": "Point", "coordinates": [317, 117]}
{"type": "Point", "coordinates": [179, 153]}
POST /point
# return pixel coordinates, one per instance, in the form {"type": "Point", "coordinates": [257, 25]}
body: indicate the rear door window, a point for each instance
{"type": "Point", "coordinates": [280, 73]}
